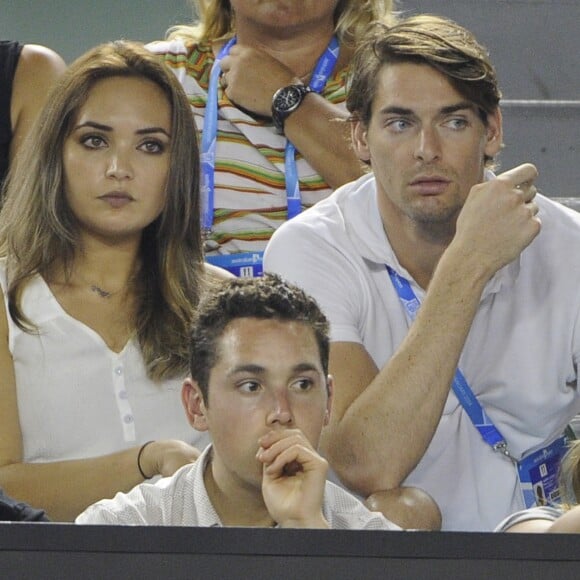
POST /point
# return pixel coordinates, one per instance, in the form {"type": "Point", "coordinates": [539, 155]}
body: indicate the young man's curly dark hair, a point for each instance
{"type": "Point", "coordinates": [268, 297]}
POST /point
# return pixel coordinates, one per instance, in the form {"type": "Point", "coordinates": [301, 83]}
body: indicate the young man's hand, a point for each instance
{"type": "Point", "coordinates": [294, 476]}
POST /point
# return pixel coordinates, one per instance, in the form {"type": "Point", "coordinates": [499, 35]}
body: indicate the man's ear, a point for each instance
{"type": "Point", "coordinates": [330, 391]}
{"type": "Point", "coordinates": [358, 135]}
{"type": "Point", "coordinates": [494, 133]}
{"type": "Point", "coordinates": [192, 399]}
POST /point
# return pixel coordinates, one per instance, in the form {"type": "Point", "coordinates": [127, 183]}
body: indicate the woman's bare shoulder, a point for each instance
{"type": "Point", "coordinates": [216, 273]}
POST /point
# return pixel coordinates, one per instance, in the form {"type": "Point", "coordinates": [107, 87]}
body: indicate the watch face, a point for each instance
{"type": "Point", "coordinates": [285, 101]}
{"type": "Point", "coordinates": [288, 98]}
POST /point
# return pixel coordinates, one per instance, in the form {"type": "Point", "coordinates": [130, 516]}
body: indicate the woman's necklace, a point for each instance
{"type": "Point", "coordinates": [102, 293]}
{"type": "Point", "coordinates": [79, 282]}
{"type": "Point", "coordinates": [96, 289]}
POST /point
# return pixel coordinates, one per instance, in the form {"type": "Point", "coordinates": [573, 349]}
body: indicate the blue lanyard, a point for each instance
{"type": "Point", "coordinates": [322, 72]}
{"type": "Point", "coordinates": [208, 142]}
{"type": "Point", "coordinates": [320, 76]}
{"type": "Point", "coordinates": [488, 431]}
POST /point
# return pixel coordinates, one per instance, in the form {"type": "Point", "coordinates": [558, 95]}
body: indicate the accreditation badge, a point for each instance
{"type": "Point", "coordinates": [538, 474]}
{"type": "Point", "coordinates": [243, 265]}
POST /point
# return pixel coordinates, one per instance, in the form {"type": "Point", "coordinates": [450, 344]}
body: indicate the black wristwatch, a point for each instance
{"type": "Point", "coordinates": [285, 101]}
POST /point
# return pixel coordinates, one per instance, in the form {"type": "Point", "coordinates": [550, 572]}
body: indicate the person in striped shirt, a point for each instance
{"type": "Point", "coordinates": [298, 51]}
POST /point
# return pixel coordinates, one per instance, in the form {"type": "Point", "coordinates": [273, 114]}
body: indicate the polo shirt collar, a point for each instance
{"type": "Point", "coordinates": [365, 229]}
{"type": "Point", "coordinates": [206, 513]}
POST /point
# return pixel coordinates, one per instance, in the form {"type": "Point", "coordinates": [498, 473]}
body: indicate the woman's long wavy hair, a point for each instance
{"type": "Point", "coordinates": [216, 19]}
{"type": "Point", "coordinates": [39, 232]}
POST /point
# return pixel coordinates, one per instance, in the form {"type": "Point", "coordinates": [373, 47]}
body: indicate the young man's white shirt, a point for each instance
{"type": "Point", "coordinates": [182, 500]}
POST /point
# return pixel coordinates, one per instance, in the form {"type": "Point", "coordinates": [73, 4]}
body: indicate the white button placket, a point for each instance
{"type": "Point", "coordinates": [122, 397]}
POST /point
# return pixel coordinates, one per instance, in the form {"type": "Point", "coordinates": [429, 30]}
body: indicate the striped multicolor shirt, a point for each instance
{"type": "Point", "coordinates": [250, 194]}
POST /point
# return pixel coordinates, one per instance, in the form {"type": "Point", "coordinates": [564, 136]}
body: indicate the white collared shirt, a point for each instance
{"type": "Point", "coordinates": [182, 500]}
{"type": "Point", "coordinates": [519, 358]}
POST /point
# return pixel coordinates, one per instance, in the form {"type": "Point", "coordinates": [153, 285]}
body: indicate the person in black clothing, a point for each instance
{"type": "Point", "coordinates": [27, 71]}
{"type": "Point", "coordinates": [12, 510]}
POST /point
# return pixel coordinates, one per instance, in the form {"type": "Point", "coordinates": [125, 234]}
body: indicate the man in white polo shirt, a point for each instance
{"type": "Point", "coordinates": [432, 225]}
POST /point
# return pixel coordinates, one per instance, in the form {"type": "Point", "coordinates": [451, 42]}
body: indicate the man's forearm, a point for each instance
{"type": "Point", "coordinates": [384, 433]}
